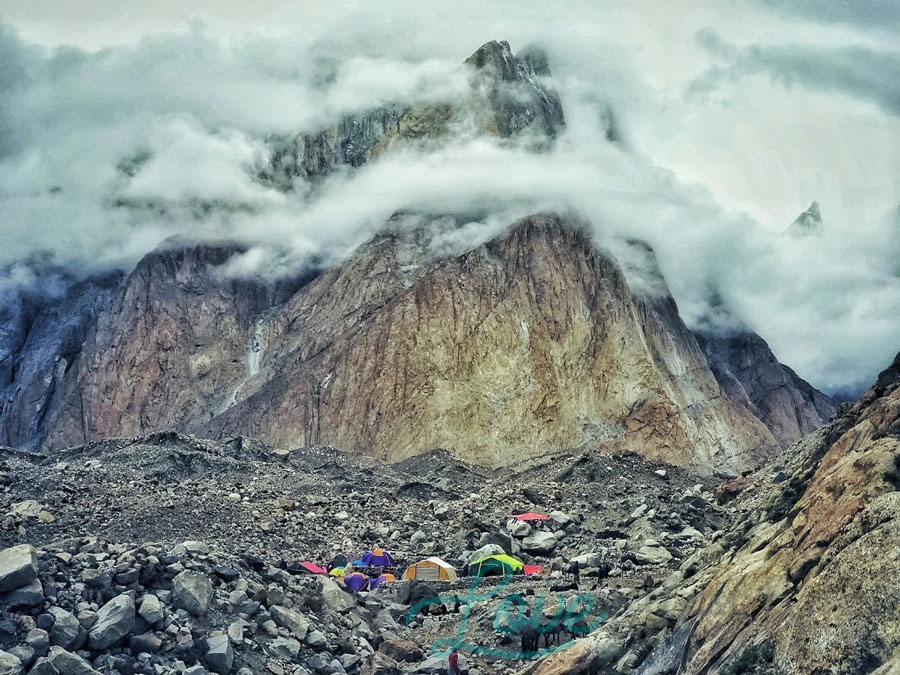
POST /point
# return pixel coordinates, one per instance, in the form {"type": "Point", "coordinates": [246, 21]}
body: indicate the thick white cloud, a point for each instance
{"type": "Point", "coordinates": [104, 153]}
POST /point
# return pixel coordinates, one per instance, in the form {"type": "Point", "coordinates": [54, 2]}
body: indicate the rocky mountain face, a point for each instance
{"type": "Point", "coordinates": [529, 343]}
{"type": "Point", "coordinates": [41, 338]}
{"type": "Point", "coordinates": [509, 95]}
{"type": "Point", "coordinates": [748, 371]}
{"type": "Point", "coordinates": [521, 346]}
{"type": "Point", "coordinates": [532, 342]}
{"type": "Point", "coordinates": [804, 579]}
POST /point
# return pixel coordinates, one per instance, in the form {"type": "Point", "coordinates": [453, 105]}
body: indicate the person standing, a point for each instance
{"type": "Point", "coordinates": [453, 663]}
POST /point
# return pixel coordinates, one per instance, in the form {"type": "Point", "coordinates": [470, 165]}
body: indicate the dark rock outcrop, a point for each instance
{"type": "Point", "coordinates": [747, 370]}
{"type": "Point", "coordinates": [40, 341]}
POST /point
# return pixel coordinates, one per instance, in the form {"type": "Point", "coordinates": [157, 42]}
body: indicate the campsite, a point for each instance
{"type": "Point", "coordinates": [284, 532]}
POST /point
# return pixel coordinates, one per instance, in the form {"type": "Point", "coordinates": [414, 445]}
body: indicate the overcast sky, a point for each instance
{"type": "Point", "coordinates": [737, 115]}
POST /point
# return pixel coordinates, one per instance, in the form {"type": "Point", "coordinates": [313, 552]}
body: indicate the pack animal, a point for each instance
{"type": "Point", "coordinates": [529, 641]}
{"type": "Point", "coordinates": [553, 633]}
{"type": "Point", "coordinates": [562, 588]}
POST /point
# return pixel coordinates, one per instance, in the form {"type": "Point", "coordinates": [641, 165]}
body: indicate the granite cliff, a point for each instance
{"type": "Point", "coordinates": [530, 343]}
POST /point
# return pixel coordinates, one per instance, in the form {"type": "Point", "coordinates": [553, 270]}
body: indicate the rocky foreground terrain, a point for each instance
{"type": "Point", "coordinates": [170, 554]}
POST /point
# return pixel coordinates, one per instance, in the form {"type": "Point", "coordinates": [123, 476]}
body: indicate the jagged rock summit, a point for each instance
{"type": "Point", "coordinates": [808, 223]}
{"type": "Point", "coordinates": [509, 95]}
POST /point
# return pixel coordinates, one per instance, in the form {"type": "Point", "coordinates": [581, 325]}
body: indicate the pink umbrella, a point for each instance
{"type": "Point", "coordinates": [530, 516]}
{"type": "Point", "coordinates": [310, 567]}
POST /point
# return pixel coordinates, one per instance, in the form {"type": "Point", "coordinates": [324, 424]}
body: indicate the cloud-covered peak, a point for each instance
{"type": "Point", "coordinates": [808, 222]}
{"type": "Point", "coordinates": [105, 153]}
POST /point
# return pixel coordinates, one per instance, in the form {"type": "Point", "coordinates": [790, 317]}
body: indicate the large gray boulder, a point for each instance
{"type": "Point", "coordinates": [483, 552]}
{"type": "Point", "coordinates": [10, 665]}
{"type": "Point", "coordinates": [192, 592]}
{"type": "Point", "coordinates": [66, 631]}
{"type": "Point", "coordinates": [219, 655]}
{"type": "Point", "coordinates": [68, 663]}
{"type": "Point", "coordinates": [293, 621]}
{"type": "Point", "coordinates": [43, 666]}
{"type": "Point", "coordinates": [317, 640]}
{"type": "Point", "coordinates": [18, 567]}
{"type": "Point", "coordinates": [560, 518]}
{"type": "Point", "coordinates": [652, 554]}
{"type": "Point", "coordinates": [518, 528]}
{"type": "Point", "coordinates": [115, 620]}
{"type": "Point", "coordinates": [433, 665]}
{"type": "Point", "coordinates": [284, 648]}
{"type": "Point", "coordinates": [38, 640]}
{"type": "Point", "coordinates": [151, 609]}
{"type": "Point", "coordinates": [335, 598]}
{"type": "Point", "coordinates": [588, 559]}
{"type": "Point", "coordinates": [539, 542]}
{"type": "Point", "coordinates": [29, 595]}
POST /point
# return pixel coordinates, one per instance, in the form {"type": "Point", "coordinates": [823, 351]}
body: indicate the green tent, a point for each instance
{"type": "Point", "coordinates": [495, 564]}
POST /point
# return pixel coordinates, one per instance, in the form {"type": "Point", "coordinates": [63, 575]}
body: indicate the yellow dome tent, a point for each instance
{"type": "Point", "coordinates": [431, 569]}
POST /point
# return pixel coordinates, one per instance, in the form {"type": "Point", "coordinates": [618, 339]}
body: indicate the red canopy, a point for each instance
{"type": "Point", "coordinates": [533, 569]}
{"type": "Point", "coordinates": [315, 569]}
{"type": "Point", "coordinates": [530, 516]}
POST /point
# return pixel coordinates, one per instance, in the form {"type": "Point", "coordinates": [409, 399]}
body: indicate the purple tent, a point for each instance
{"type": "Point", "coordinates": [378, 558]}
{"type": "Point", "coordinates": [356, 581]}
{"type": "Point", "coordinates": [375, 583]}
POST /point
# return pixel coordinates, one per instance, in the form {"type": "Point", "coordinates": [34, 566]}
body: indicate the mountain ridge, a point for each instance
{"type": "Point", "coordinates": [207, 354]}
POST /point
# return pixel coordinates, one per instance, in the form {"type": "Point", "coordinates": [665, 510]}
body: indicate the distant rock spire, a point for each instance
{"type": "Point", "coordinates": [807, 223]}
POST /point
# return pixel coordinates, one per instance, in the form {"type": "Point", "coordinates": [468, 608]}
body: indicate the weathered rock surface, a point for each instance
{"type": "Point", "coordinates": [151, 609]}
{"type": "Point", "coordinates": [293, 621]}
{"type": "Point", "coordinates": [539, 542]}
{"type": "Point", "coordinates": [746, 370]}
{"type": "Point", "coordinates": [10, 665]}
{"type": "Point", "coordinates": [818, 578]}
{"type": "Point", "coordinates": [220, 655]}
{"type": "Point", "coordinates": [67, 663]}
{"type": "Point", "coordinates": [40, 340]}
{"type": "Point", "coordinates": [192, 592]}
{"type": "Point", "coordinates": [18, 567]}
{"type": "Point", "coordinates": [114, 621]}
{"type": "Point", "coordinates": [66, 632]}
{"type": "Point", "coordinates": [539, 318]}
{"type": "Point", "coordinates": [803, 582]}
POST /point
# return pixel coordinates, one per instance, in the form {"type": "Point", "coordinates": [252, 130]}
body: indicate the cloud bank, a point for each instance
{"type": "Point", "coordinates": [858, 72]}
{"type": "Point", "coordinates": [103, 154]}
